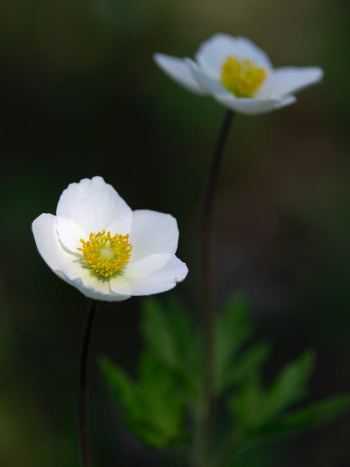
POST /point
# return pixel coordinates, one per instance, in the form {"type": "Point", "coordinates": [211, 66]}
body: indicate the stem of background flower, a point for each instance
{"type": "Point", "coordinates": [205, 440]}
{"type": "Point", "coordinates": [83, 393]}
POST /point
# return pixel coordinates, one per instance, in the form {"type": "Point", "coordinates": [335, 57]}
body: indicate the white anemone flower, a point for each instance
{"type": "Point", "coordinates": [238, 75]}
{"type": "Point", "coordinates": [107, 251]}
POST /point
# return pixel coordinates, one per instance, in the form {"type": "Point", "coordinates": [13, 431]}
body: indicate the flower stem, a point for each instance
{"type": "Point", "coordinates": [207, 286]}
{"type": "Point", "coordinates": [82, 393]}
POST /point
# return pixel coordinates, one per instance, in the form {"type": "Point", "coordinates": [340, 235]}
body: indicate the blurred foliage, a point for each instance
{"type": "Point", "coordinates": [171, 376]}
{"type": "Point", "coordinates": [151, 408]}
{"type": "Point", "coordinates": [232, 330]}
{"type": "Point", "coordinates": [253, 408]}
{"type": "Point", "coordinates": [173, 339]}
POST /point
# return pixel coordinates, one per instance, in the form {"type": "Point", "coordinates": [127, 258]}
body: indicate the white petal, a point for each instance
{"type": "Point", "coordinates": [178, 70]}
{"type": "Point", "coordinates": [119, 284]}
{"type": "Point", "coordinates": [46, 238]}
{"type": "Point", "coordinates": [289, 80]}
{"type": "Point", "coordinates": [70, 234]}
{"type": "Point", "coordinates": [253, 106]}
{"type": "Point", "coordinates": [208, 82]}
{"type": "Point", "coordinates": [88, 283]}
{"type": "Point", "coordinates": [88, 207]}
{"type": "Point", "coordinates": [152, 232]}
{"type": "Point", "coordinates": [213, 52]}
{"type": "Point", "coordinates": [151, 274]}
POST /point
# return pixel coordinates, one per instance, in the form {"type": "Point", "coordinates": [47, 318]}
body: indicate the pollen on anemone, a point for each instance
{"type": "Point", "coordinates": [109, 252]}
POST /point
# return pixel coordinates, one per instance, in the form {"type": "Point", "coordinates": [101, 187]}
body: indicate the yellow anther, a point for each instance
{"type": "Point", "coordinates": [106, 254]}
{"type": "Point", "coordinates": [241, 76]}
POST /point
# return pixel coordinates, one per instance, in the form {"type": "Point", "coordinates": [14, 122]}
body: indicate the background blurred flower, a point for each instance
{"type": "Point", "coordinates": [238, 75]}
{"type": "Point", "coordinates": [100, 246]}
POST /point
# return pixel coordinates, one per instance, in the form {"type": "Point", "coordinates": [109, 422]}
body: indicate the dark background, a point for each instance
{"type": "Point", "coordinates": [81, 96]}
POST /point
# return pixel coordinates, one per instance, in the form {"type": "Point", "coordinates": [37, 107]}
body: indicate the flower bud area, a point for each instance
{"type": "Point", "coordinates": [106, 254]}
{"type": "Point", "coordinates": [241, 76]}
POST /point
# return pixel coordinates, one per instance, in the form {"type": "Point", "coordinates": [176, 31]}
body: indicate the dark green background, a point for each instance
{"type": "Point", "coordinates": [81, 96]}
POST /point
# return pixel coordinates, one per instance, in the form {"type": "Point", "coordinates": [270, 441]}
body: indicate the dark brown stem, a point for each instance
{"type": "Point", "coordinates": [207, 286]}
{"type": "Point", "coordinates": [83, 392]}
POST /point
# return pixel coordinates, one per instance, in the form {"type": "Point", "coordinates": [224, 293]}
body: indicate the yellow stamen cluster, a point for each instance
{"type": "Point", "coordinates": [106, 254]}
{"type": "Point", "coordinates": [241, 76]}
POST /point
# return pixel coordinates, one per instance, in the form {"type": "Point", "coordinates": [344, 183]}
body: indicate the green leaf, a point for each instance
{"type": "Point", "coordinates": [160, 392]}
{"type": "Point", "coordinates": [247, 364]}
{"type": "Point", "coordinates": [248, 435]}
{"type": "Point", "coordinates": [254, 407]}
{"type": "Point", "coordinates": [167, 331]}
{"type": "Point", "coordinates": [157, 332]}
{"type": "Point", "coordinates": [152, 410]}
{"type": "Point", "coordinates": [312, 416]}
{"type": "Point", "coordinates": [120, 383]}
{"type": "Point", "coordinates": [246, 405]}
{"type": "Point", "coordinates": [170, 336]}
{"type": "Point", "coordinates": [289, 387]}
{"type": "Point", "coordinates": [232, 331]}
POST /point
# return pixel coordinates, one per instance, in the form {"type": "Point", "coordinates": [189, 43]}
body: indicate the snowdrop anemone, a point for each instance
{"type": "Point", "coordinates": [100, 246]}
{"type": "Point", "coordinates": [107, 251]}
{"type": "Point", "coordinates": [238, 75]}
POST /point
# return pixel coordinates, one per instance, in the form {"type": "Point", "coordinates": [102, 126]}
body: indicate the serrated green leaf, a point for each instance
{"type": "Point", "coordinates": [159, 390]}
{"type": "Point", "coordinates": [120, 383]}
{"type": "Point", "coordinates": [245, 437]}
{"type": "Point", "coordinates": [246, 405]}
{"type": "Point", "coordinates": [246, 364]}
{"type": "Point", "coordinates": [152, 410]}
{"type": "Point", "coordinates": [167, 331]}
{"type": "Point", "coordinates": [157, 332]}
{"type": "Point", "coordinates": [312, 416]}
{"type": "Point", "coordinates": [289, 387]}
{"type": "Point", "coordinates": [170, 336]}
{"type": "Point", "coordinates": [232, 331]}
{"type": "Point", "coordinates": [254, 407]}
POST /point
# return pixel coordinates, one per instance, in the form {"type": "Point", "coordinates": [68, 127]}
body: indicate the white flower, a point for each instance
{"type": "Point", "coordinates": [238, 75]}
{"type": "Point", "coordinates": [109, 252]}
